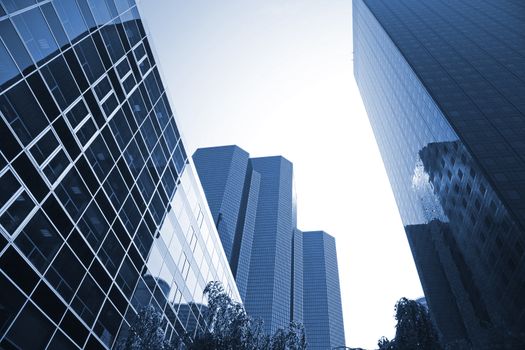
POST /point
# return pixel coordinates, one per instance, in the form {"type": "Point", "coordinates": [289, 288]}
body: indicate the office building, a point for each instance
{"type": "Point", "coordinates": [266, 217]}
{"type": "Point", "coordinates": [323, 317]}
{"type": "Point", "coordinates": [100, 211]}
{"type": "Point", "coordinates": [443, 85]}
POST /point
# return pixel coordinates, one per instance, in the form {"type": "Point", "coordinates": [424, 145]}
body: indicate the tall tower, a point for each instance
{"type": "Point", "coordinates": [100, 210]}
{"type": "Point", "coordinates": [443, 85]}
{"type": "Point", "coordinates": [322, 312]}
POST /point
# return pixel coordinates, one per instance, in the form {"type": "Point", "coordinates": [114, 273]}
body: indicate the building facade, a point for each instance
{"type": "Point", "coordinates": [276, 289]}
{"type": "Point", "coordinates": [322, 312]}
{"type": "Point", "coordinates": [443, 85]}
{"type": "Point", "coordinates": [100, 210]}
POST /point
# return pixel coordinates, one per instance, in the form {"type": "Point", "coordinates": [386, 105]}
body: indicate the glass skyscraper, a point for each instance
{"type": "Point", "coordinates": [258, 194]}
{"type": "Point", "coordinates": [443, 84]}
{"type": "Point", "coordinates": [322, 312]}
{"type": "Point", "coordinates": [100, 210]}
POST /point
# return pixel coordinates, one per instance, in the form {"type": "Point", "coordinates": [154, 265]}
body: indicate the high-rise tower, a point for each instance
{"type": "Point", "coordinates": [100, 212]}
{"type": "Point", "coordinates": [443, 85]}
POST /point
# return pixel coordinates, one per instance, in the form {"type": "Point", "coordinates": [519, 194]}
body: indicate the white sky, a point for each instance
{"type": "Point", "coordinates": [275, 77]}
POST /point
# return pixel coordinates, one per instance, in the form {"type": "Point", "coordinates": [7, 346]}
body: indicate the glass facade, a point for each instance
{"type": "Point", "coordinates": [322, 312]}
{"type": "Point", "coordinates": [443, 85]}
{"type": "Point", "coordinates": [100, 210]}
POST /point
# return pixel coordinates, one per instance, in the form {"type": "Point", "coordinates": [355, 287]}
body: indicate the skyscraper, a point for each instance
{"type": "Point", "coordinates": [443, 85]}
{"type": "Point", "coordinates": [231, 189]}
{"type": "Point", "coordinates": [100, 212]}
{"type": "Point", "coordinates": [266, 216]}
{"type": "Point", "coordinates": [323, 317]}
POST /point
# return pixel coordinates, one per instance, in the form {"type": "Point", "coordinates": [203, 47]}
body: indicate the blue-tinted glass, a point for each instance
{"type": "Point", "coordinates": [8, 186]}
{"type": "Point", "coordinates": [11, 300]}
{"type": "Point", "coordinates": [44, 147]}
{"type": "Point", "coordinates": [56, 166]}
{"type": "Point", "coordinates": [112, 41]}
{"type": "Point", "coordinates": [15, 5]}
{"type": "Point", "coordinates": [71, 18]}
{"type": "Point", "coordinates": [8, 69]}
{"type": "Point", "coordinates": [73, 194]}
{"type": "Point", "coordinates": [36, 34]}
{"type": "Point", "coordinates": [42, 331]}
{"type": "Point", "coordinates": [15, 46]}
{"type": "Point", "coordinates": [100, 11]}
{"type": "Point", "coordinates": [54, 24]}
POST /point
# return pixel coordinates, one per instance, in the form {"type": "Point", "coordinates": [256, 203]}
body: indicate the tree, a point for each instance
{"type": "Point", "coordinates": [414, 329]}
{"type": "Point", "coordinates": [146, 333]}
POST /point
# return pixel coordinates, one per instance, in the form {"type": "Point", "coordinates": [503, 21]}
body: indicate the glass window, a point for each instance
{"type": "Point", "coordinates": [56, 166]}
{"type": "Point", "coordinates": [73, 194]}
{"type": "Point", "coordinates": [54, 24]}
{"type": "Point", "coordinates": [121, 129]}
{"type": "Point", "coordinates": [49, 302]}
{"type": "Point", "coordinates": [116, 188]}
{"type": "Point", "coordinates": [22, 112]}
{"type": "Point", "coordinates": [41, 329]}
{"type": "Point", "coordinates": [111, 253]}
{"type": "Point", "coordinates": [39, 241]}
{"type": "Point", "coordinates": [138, 106]}
{"type": "Point", "coordinates": [9, 185]}
{"type": "Point", "coordinates": [8, 69]}
{"type": "Point", "coordinates": [44, 147]}
{"type": "Point", "coordinates": [88, 300]}
{"type": "Point", "coordinates": [113, 43]}
{"type": "Point", "coordinates": [89, 59]}
{"type": "Point", "coordinates": [36, 34]}
{"type": "Point", "coordinates": [17, 211]}
{"type": "Point", "coordinates": [60, 82]}
{"type": "Point", "coordinates": [15, 46]}
{"type": "Point", "coordinates": [93, 226]}
{"type": "Point", "coordinates": [77, 114]}
{"type": "Point", "coordinates": [99, 157]}
{"type": "Point", "coordinates": [108, 323]}
{"type": "Point", "coordinates": [43, 95]}
{"type": "Point", "coordinates": [100, 11]}
{"type": "Point", "coordinates": [86, 132]}
{"type": "Point", "coordinates": [65, 273]}
{"type": "Point", "coordinates": [71, 18]}
{"type": "Point", "coordinates": [18, 270]}
{"type": "Point", "coordinates": [11, 300]}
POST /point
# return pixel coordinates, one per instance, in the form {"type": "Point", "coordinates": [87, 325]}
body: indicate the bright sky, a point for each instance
{"type": "Point", "coordinates": [275, 77]}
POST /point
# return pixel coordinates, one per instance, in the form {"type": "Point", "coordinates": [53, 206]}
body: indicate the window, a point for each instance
{"type": "Point", "coordinates": [73, 194]}
{"type": "Point", "coordinates": [36, 34]}
{"type": "Point", "coordinates": [71, 18]}
{"type": "Point", "coordinates": [41, 329]}
{"type": "Point", "coordinates": [60, 81]}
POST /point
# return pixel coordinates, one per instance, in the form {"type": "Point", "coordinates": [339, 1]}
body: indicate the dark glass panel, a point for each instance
{"type": "Point", "coordinates": [31, 319]}
{"type": "Point", "coordinates": [130, 27]}
{"type": "Point", "coordinates": [112, 40]}
{"type": "Point", "coordinates": [102, 88]}
{"type": "Point", "coordinates": [133, 158]}
{"type": "Point", "coordinates": [123, 68]}
{"type": "Point", "coordinates": [86, 132]}
{"type": "Point", "coordinates": [9, 146]}
{"type": "Point", "coordinates": [100, 275]}
{"type": "Point", "coordinates": [18, 270]}
{"type": "Point", "coordinates": [99, 157]}
{"type": "Point", "coordinates": [77, 114]}
{"type": "Point", "coordinates": [43, 96]}
{"type": "Point", "coordinates": [88, 300]}
{"type": "Point", "coordinates": [60, 82]}
{"type": "Point", "coordinates": [76, 69]}
{"type": "Point", "coordinates": [127, 277]}
{"type": "Point", "coordinates": [39, 241]}
{"type": "Point", "coordinates": [22, 112]}
{"type": "Point", "coordinates": [15, 46]}
{"type": "Point", "coordinates": [74, 328]}
{"type": "Point", "coordinates": [55, 25]}
{"type": "Point", "coordinates": [56, 166]}
{"type": "Point", "coordinates": [121, 129]}
{"type": "Point", "coordinates": [138, 106]}
{"type": "Point", "coordinates": [108, 323]}
{"type": "Point", "coordinates": [110, 141]}
{"type": "Point", "coordinates": [73, 194]}
{"type": "Point", "coordinates": [118, 299]}
{"type": "Point", "coordinates": [110, 105]}
{"type": "Point", "coordinates": [96, 112]}
{"type": "Point", "coordinates": [101, 47]}
{"type": "Point", "coordinates": [11, 300]}
{"type": "Point", "coordinates": [13, 216]}
{"type": "Point", "coordinates": [81, 249]}
{"type": "Point", "coordinates": [87, 174]}
{"type": "Point", "coordinates": [86, 13]}
{"type": "Point", "coordinates": [71, 18]}
{"type": "Point", "coordinates": [93, 226]}
{"type": "Point", "coordinates": [145, 96]}
{"type": "Point", "coordinates": [94, 344]}
{"type": "Point", "coordinates": [111, 253]}
{"type": "Point", "coordinates": [30, 176]}
{"type": "Point", "coordinates": [57, 215]}
{"type": "Point", "coordinates": [49, 302]}
{"type": "Point", "coordinates": [65, 273]}
{"type": "Point", "coordinates": [60, 341]}
{"type": "Point", "coordinates": [116, 85]}
{"type": "Point", "coordinates": [130, 215]}
{"type": "Point", "coordinates": [65, 135]}
{"type": "Point", "coordinates": [89, 59]}
{"type": "Point", "coordinates": [8, 186]}
{"type": "Point", "coordinates": [116, 188]}
{"type": "Point", "coordinates": [36, 34]}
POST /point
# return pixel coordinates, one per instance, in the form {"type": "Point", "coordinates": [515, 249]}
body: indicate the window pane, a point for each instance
{"type": "Point", "coordinates": [11, 300]}
{"type": "Point", "coordinates": [41, 329]}
{"type": "Point", "coordinates": [71, 18]}
{"type": "Point", "coordinates": [8, 69]}
{"type": "Point", "coordinates": [60, 82]}
{"type": "Point", "coordinates": [56, 166]}
{"type": "Point", "coordinates": [23, 112]}
{"type": "Point", "coordinates": [39, 241]}
{"type": "Point", "coordinates": [17, 212]}
{"type": "Point", "coordinates": [35, 33]}
{"type": "Point", "coordinates": [73, 194]}
{"type": "Point", "coordinates": [89, 59]}
{"type": "Point", "coordinates": [14, 45]}
{"type": "Point", "coordinates": [44, 147]}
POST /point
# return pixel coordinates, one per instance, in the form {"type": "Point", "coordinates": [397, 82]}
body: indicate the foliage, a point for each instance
{"type": "Point", "coordinates": [228, 328]}
{"type": "Point", "coordinates": [414, 329]}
